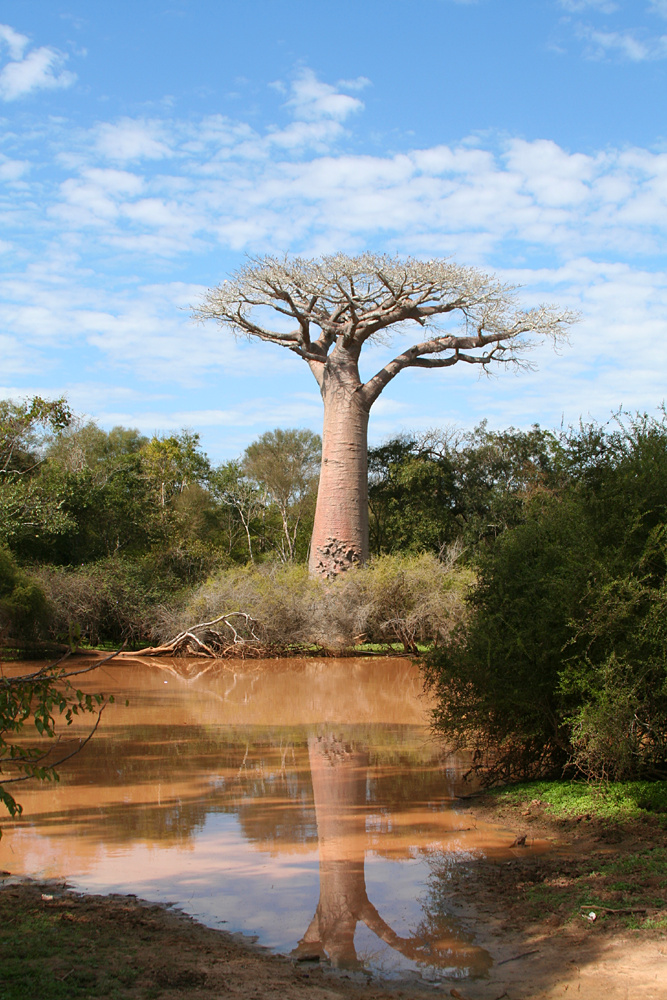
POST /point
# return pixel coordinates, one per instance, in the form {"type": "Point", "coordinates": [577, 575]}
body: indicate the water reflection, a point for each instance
{"type": "Point", "coordinates": [340, 776]}
{"type": "Point", "coordinates": [298, 800]}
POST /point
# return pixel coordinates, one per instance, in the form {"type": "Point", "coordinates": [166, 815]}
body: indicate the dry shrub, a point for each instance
{"type": "Point", "coordinates": [406, 599]}
{"type": "Point", "coordinates": [279, 598]}
{"type": "Point", "coordinates": [102, 602]}
{"type": "Point", "coordinates": [399, 599]}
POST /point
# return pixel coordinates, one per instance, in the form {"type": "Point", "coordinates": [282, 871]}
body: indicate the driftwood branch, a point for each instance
{"type": "Point", "coordinates": [231, 634]}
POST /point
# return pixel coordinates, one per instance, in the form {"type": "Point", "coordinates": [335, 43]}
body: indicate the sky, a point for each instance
{"type": "Point", "coordinates": [148, 148]}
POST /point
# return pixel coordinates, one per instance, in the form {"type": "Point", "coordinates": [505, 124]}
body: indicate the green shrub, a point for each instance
{"type": "Point", "coordinates": [23, 604]}
{"type": "Point", "coordinates": [562, 661]}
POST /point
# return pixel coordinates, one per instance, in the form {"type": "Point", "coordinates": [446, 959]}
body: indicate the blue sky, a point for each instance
{"type": "Point", "coordinates": [147, 147]}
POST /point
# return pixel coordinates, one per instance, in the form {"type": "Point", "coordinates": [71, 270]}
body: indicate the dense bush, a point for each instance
{"type": "Point", "coordinates": [428, 492]}
{"type": "Point", "coordinates": [114, 600]}
{"type": "Point", "coordinates": [562, 659]}
{"type": "Point", "coordinates": [396, 599]}
{"type": "Point", "coordinates": [618, 683]}
{"type": "Point", "coordinates": [23, 604]}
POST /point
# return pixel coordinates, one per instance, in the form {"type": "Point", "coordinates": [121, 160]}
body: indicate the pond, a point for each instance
{"type": "Point", "coordinates": [300, 801]}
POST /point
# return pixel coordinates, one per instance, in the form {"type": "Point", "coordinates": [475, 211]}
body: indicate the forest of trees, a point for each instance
{"type": "Point", "coordinates": [528, 565]}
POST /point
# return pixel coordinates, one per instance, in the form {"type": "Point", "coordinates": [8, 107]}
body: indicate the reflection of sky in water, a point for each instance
{"type": "Point", "coordinates": [221, 879]}
{"type": "Point", "coordinates": [298, 801]}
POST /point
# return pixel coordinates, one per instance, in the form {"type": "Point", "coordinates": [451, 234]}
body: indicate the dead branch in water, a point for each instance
{"type": "Point", "coordinates": [237, 640]}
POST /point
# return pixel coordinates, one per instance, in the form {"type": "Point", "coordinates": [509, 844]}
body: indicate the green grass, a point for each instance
{"type": "Point", "coordinates": [391, 647]}
{"type": "Point", "coordinates": [605, 881]}
{"type": "Point", "coordinates": [620, 801]}
{"type": "Point", "coordinates": [46, 955]}
{"type": "Point", "coordinates": [596, 887]}
{"type": "Point", "coordinates": [56, 945]}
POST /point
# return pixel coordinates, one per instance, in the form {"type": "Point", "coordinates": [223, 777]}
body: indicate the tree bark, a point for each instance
{"type": "Point", "coordinates": [340, 530]}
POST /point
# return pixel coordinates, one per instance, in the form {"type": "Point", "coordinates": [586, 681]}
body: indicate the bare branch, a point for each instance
{"type": "Point", "coordinates": [496, 327]}
{"type": "Point", "coordinates": [56, 764]}
{"type": "Point", "coordinates": [46, 672]}
{"type": "Point", "coordinates": [212, 641]}
{"type": "Point", "coordinates": [354, 299]}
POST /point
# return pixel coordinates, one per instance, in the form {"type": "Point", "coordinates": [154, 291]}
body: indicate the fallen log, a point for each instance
{"type": "Point", "coordinates": [234, 636]}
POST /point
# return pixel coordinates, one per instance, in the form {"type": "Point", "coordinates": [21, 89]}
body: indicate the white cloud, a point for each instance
{"type": "Point", "coordinates": [553, 176]}
{"type": "Point", "coordinates": [312, 100]}
{"type": "Point", "coordinates": [635, 44]}
{"type": "Point", "coordinates": [359, 82]}
{"type": "Point", "coordinates": [14, 41]}
{"type": "Point", "coordinates": [289, 190]}
{"type": "Point", "coordinates": [12, 170]}
{"type": "Point", "coordinates": [145, 329]}
{"type": "Point", "coordinates": [15, 359]}
{"type": "Point", "coordinates": [129, 139]}
{"type": "Point", "coordinates": [318, 135]}
{"type": "Point", "coordinates": [41, 68]}
{"type": "Point", "coordinates": [626, 44]}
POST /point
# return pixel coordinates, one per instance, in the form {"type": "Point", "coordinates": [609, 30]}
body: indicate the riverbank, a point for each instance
{"type": "Point", "coordinates": [534, 914]}
{"type": "Point", "coordinates": [588, 918]}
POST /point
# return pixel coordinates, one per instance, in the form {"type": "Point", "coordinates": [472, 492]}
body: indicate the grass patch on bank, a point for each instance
{"type": "Point", "coordinates": [630, 889]}
{"type": "Point", "coordinates": [46, 952]}
{"type": "Point", "coordinates": [611, 864]}
{"type": "Point", "coordinates": [616, 801]}
{"type": "Point", "coordinates": [56, 945]}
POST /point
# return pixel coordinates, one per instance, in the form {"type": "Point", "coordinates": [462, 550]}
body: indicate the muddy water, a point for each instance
{"type": "Point", "coordinates": [299, 801]}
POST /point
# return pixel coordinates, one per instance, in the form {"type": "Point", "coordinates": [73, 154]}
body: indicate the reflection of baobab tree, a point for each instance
{"type": "Point", "coordinates": [339, 775]}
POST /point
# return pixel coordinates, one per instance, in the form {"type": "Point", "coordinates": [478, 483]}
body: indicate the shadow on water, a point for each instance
{"type": "Point", "coordinates": [301, 800]}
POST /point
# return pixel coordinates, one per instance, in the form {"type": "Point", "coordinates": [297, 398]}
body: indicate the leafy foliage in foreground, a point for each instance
{"type": "Point", "coordinates": [32, 704]}
{"type": "Point", "coordinates": [23, 605]}
{"type": "Point", "coordinates": [562, 661]}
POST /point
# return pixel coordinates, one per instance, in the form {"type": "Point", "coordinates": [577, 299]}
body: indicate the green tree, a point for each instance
{"type": "Point", "coordinates": [426, 492]}
{"type": "Point", "coordinates": [23, 606]}
{"type": "Point", "coordinates": [173, 463]}
{"type": "Point", "coordinates": [23, 428]}
{"type": "Point", "coordinates": [411, 496]}
{"type": "Point", "coordinates": [285, 463]}
{"type": "Point", "coordinates": [243, 498]}
{"type": "Point", "coordinates": [26, 508]}
{"type": "Point", "coordinates": [87, 446]}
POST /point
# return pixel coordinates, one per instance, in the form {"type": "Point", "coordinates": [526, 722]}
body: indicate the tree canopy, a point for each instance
{"type": "Point", "coordinates": [341, 302]}
{"type": "Point", "coordinates": [326, 309]}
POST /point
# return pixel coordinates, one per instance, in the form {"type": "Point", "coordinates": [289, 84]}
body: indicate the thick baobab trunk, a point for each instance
{"type": "Point", "coordinates": [340, 531]}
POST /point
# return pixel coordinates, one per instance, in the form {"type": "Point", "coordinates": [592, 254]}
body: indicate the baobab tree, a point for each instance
{"type": "Point", "coordinates": [334, 306]}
